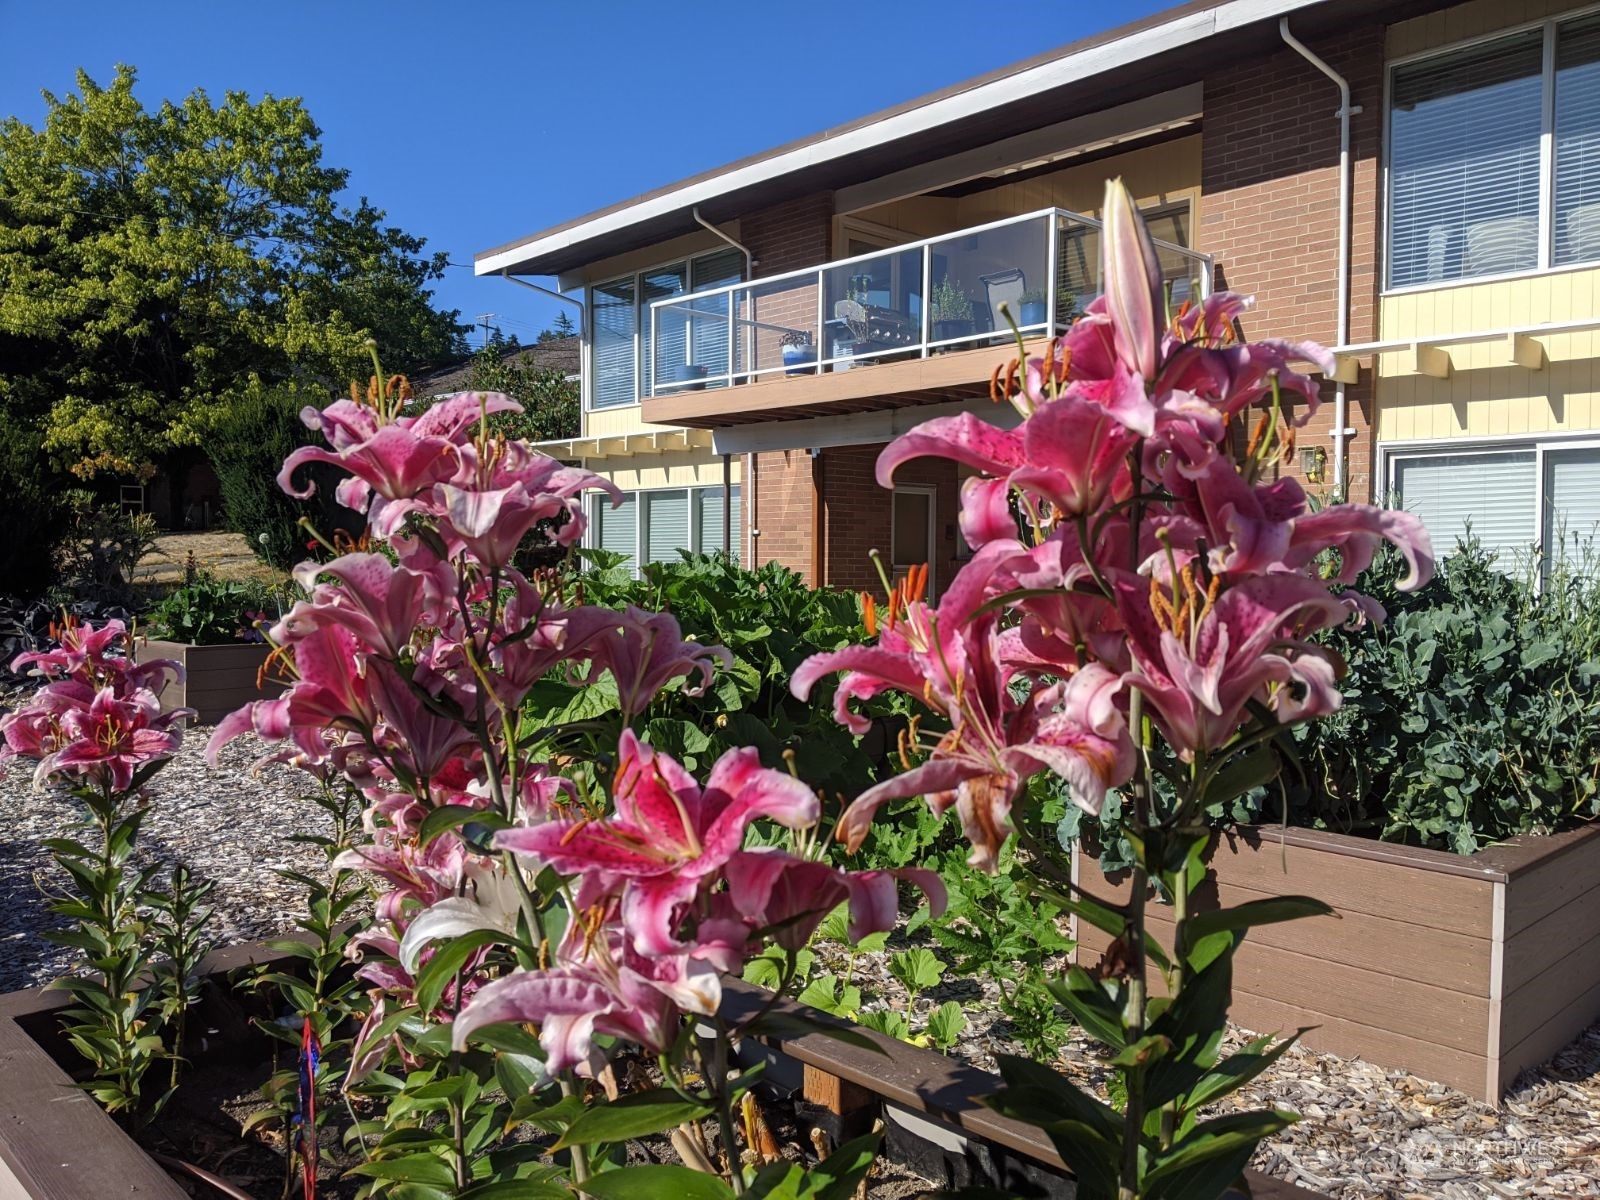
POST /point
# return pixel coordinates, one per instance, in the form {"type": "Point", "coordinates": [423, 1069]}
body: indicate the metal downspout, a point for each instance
{"type": "Point", "coordinates": [1341, 432]}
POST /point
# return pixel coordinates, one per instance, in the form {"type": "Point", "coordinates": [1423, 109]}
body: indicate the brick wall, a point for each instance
{"type": "Point", "coordinates": [858, 515]}
{"type": "Point", "coordinates": [784, 509]}
{"type": "Point", "coordinates": [1270, 208]}
{"type": "Point", "coordinates": [785, 237]}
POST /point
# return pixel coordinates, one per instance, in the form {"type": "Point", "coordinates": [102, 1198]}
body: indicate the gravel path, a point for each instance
{"type": "Point", "coordinates": [230, 825]}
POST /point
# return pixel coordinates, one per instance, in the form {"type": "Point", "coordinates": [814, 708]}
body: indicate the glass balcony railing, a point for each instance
{"type": "Point", "coordinates": [951, 292]}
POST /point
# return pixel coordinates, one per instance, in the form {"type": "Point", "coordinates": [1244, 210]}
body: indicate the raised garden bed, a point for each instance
{"type": "Point", "coordinates": [1460, 969]}
{"type": "Point", "coordinates": [218, 679]}
{"type": "Point", "coordinates": [57, 1144]}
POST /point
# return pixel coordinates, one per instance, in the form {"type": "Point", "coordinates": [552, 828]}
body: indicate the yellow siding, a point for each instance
{"type": "Point", "coordinates": [1440, 29]}
{"type": "Point", "coordinates": [1156, 175]}
{"type": "Point", "coordinates": [1487, 394]}
{"type": "Point", "coordinates": [615, 422]}
{"type": "Point", "coordinates": [695, 468]}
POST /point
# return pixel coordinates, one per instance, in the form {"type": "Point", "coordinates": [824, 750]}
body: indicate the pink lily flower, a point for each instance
{"type": "Point", "coordinates": [1201, 655]}
{"type": "Point", "coordinates": [378, 602]}
{"type": "Point", "coordinates": [597, 986]}
{"type": "Point", "coordinates": [788, 897]}
{"type": "Point", "coordinates": [668, 835]}
{"type": "Point", "coordinates": [1069, 452]}
{"type": "Point", "coordinates": [955, 660]}
{"type": "Point", "coordinates": [112, 738]}
{"type": "Point", "coordinates": [644, 652]}
{"type": "Point", "coordinates": [398, 460]}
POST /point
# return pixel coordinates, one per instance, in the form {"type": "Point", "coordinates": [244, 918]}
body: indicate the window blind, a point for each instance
{"type": "Point", "coordinates": [708, 514]}
{"type": "Point", "coordinates": [661, 361]}
{"type": "Point", "coordinates": [617, 529]}
{"type": "Point", "coordinates": [709, 334]}
{"type": "Point", "coordinates": [1495, 495]}
{"type": "Point", "coordinates": [1464, 163]}
{"type": "Point", "coordinates": [1577, 142]}
{"type": "Point", "coordinates": [666, 525]}
{"type": "Point", "coordinates": [1572, 505]}
{"type": "Point", "coordinates": [614, 325]}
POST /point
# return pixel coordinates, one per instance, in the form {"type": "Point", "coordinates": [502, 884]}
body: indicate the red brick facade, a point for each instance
{"type": "Point", "coordinates": [1268, 214]}
{"type": "Point", "coordinates": [857, 515]}
{"type": "Point", "coordinates": [1269, 207]}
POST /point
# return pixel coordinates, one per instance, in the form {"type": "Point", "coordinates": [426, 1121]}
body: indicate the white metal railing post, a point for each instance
{"type": "Point", "coordinates": [927, 297]}
{"type": "Point", "coordinates": [1053, 272]}
{"type": "Point", "coordinates": [822, 290]}
{"type": "Point", "coordinates": [733, 338]}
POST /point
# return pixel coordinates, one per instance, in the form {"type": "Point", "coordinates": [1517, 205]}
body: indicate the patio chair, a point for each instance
{"type": "Point", "coordinates": [1004, 287]}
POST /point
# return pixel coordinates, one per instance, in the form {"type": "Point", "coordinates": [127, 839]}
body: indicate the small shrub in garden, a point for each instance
{"type": "Point", "coordinates": [207, 611]}
{"type": "Point", "coordinates": [100, 548]}
{"type": "Point", "coordinates": [1473, 715]}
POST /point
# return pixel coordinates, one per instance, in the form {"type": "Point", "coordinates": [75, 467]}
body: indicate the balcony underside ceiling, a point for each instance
{"type": "Point", "coordinates": [958, 375]}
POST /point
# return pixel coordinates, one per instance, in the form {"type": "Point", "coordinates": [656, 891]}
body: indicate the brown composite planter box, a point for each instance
{"type": "Point", "coordinates": [56, 1143]}
{"type": "Point", "coordinates": [1463, 969]}
{"type": "Point", "coordinates": [217, 679]}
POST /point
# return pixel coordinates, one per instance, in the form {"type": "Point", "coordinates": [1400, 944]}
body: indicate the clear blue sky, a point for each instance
{"type": "Point", "coordinates": [475, 123]}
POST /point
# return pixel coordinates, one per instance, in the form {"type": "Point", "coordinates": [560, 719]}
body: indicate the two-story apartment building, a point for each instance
{"type": "Point", "coordinates": [1414, 184]}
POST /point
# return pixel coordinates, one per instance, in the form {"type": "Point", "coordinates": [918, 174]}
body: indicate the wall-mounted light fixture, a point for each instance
{"type": "Point", "coordinates": [1314, 463]}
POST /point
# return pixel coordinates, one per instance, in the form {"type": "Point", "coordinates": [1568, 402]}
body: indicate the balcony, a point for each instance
{"type": "Point", "coordinates": [857, 334]}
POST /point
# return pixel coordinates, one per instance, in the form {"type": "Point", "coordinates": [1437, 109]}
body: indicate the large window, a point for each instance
{"type": "Point", "coordinates": [653, 526]}
{"type": "Point", "coordinates": [1517, 499]}
{"type": "Point", "coordinates": [1494, 156]}
{"type": "Point", "coordinates": [622, 354]}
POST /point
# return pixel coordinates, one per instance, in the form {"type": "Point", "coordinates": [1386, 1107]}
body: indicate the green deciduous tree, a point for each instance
{"type": "Point", "coordinates": [549, 399]}
{"type": "Point", "coordinates": [152, 263]}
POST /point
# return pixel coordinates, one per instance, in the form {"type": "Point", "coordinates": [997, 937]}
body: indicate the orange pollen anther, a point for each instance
{"type": "Point", "coordinates": [869, 614]}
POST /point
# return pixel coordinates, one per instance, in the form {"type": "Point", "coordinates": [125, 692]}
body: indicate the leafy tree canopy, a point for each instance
{"type": "Point", "coordinates": [550, 402]}
{"type": "Point", "coordinates": [153, 263]}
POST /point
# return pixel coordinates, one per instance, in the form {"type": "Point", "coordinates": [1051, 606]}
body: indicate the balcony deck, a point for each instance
{"type": "Point", "coordinates": [956, 375]}
{"type": "Point", "coordinates": [923, 322]}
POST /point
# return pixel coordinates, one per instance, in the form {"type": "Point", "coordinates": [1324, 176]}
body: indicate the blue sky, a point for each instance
{"type": "Point", "coordinates": [476, 123]}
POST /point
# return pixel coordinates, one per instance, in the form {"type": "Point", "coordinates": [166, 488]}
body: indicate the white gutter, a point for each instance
{"type": "Point", "coordinates": [1341, 430]}
{"type": "Point", "coordinates": [749, 259]}
{"type": "Point", "coordinates": [1182, 31]}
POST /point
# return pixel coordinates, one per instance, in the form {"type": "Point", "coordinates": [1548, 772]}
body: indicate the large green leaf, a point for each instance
{"type": "Point", "coordinates": [1212, 1156]}
{"type": "Point", "coordinates": [634, 1115]}
{"type": "Point", "coordinates": [1086, 999]}
{"type": "Point", "coordinates": [518, 1189]}
{"type": "Point", "coordinates": [656, 1181]}
{"type": "Point", "coordinates": [418, 1168]}
{"type": "Point", "coordinates": [448, 958]}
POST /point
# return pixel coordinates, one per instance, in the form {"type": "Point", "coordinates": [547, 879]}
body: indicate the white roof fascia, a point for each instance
{"type": "Point", "coordinates": [1144, 43]}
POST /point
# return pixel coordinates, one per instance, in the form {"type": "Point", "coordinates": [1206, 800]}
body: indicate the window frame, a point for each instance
{"type": "Point", "coordinates": [641, 523]}
{"type": "Point", "coordinates": [1546, 264]}
{"type": "Point", "coordinates": [1390, 453]}
{"type": "Point", "coordinates": [641, 313]}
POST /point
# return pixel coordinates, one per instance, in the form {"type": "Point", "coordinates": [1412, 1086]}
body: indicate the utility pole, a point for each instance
{"type": "Point", "coordinates": [484, 319]}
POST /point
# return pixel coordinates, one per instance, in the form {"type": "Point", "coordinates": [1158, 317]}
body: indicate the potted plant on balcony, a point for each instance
{"type": "Point", "coordinates": [690, 377]}
{"type": "Point", "coordinates": [799, 352]}
{"type": "Point", "coordinates": [1033, 307]}
{"type": "Point", "coordinates": [951, 310]}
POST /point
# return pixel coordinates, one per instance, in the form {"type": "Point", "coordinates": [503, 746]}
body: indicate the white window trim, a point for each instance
{"type": "Point", "coordinates": [640, 315]}
{"type": "Point", "coordinates": [1390, 452]}
{"type": "Point", "coordinates": [1546, 154]}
